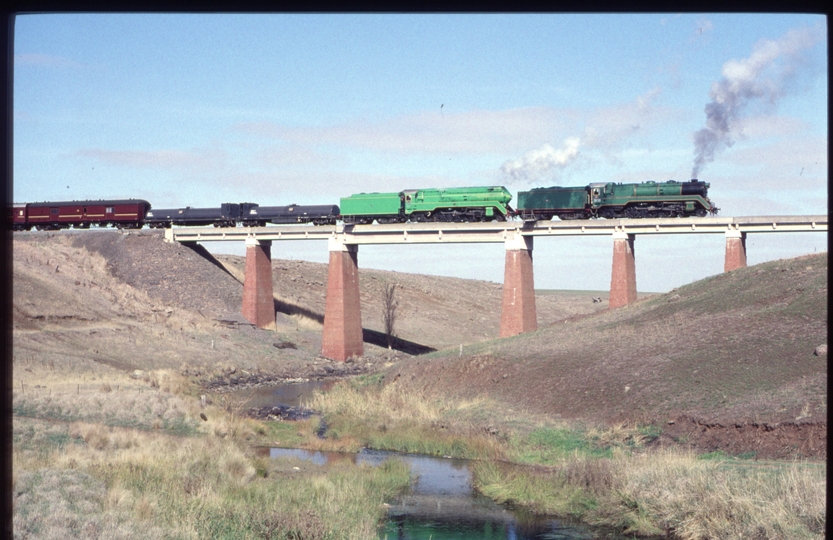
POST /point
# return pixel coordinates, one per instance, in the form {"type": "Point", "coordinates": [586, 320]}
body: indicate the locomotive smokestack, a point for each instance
{"type": "Point", "coordinates": [762, 76]}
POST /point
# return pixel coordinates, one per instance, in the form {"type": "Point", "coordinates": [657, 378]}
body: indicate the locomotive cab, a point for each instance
{"type": "Point", "coordinates": [409, 198]}
{"type": "Point", "coordinates": [409, 195]}
{"type": "Point", "coordinates": [597, 192]}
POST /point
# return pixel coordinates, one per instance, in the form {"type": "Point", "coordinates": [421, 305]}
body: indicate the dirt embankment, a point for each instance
{"type": "Point", "coordinates": [725, 363]}
{"type": "Point", "coordinates": [132, 300]}
{"type": "Point", "coordinates": [777, 440]}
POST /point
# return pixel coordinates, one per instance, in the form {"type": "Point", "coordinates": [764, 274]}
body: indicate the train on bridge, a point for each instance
{"type": "Point", "coordinates": [467, 204]}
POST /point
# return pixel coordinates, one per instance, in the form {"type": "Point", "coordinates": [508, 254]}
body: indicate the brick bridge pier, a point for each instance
{"type": "Point", "coordinates": [342, 336]}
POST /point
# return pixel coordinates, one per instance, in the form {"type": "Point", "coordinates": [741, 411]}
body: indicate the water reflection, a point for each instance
{"type": "Point", "coordinates": [287, 394]}
{"type": "Point", "coordinates": [442, 504]}
{"type": "Point", "coordinates": [409, 529]}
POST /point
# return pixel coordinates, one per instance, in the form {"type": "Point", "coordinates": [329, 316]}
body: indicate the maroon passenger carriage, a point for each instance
{"type": "Point", "coordinates": [51, 216]}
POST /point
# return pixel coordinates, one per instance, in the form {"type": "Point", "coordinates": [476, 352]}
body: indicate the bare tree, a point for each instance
{"type": "Point", "coordinates": [389, 312]}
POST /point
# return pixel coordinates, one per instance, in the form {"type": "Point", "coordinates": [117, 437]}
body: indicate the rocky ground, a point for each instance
{"type": "Point", "coordinates": [726, 363]}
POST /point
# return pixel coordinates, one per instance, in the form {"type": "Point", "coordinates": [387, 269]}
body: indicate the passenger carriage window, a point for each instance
{"type": "Point", "coordinates": [53, 210]}
{"type": "Point", "coordinates": [107, 210]}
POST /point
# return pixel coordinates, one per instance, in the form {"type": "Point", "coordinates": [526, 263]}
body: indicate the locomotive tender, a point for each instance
{"type": "Point", "coordinates": [465, 204]}
{"type": "Point", "coordinates": [317, 214]}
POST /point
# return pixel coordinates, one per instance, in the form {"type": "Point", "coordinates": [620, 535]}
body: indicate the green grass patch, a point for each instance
{"type": "Point", "coordinates": [374, 379]}
{"type": "Point", "coordinates": [548, 445]}
{"type": "Point", "coordinates": [537, 491]}
{"type": "Point", "coordinates": [716, 455]}
{"type": "Point", "coordinates": [289, 434]}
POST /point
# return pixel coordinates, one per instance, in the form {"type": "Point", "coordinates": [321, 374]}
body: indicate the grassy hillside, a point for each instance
{"type": "Point", "coordinates": [734, 350]}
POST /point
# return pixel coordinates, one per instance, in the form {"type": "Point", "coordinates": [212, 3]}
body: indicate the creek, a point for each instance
{"type": "Point", "coordinates": [441, 503]}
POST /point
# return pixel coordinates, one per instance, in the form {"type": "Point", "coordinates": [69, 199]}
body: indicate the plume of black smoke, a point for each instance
{"type": "Point", "coordinates": [763, 76]}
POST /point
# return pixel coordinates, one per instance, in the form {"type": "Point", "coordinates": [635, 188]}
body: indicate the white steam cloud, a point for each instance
{"type": "Point", "coordinates": [537, 163]}
{"type": "Point", "coordinates": [764, 76]}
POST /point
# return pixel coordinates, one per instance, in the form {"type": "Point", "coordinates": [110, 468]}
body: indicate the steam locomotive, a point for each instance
{"type": "Point", "coordinates": [606, 200]}
{"type": "Point", "coordinates": [421, 205]}
{"type": "Point", "coordinates": [467, 204]}
{"type": "Point", "coordinates": [611, 201]}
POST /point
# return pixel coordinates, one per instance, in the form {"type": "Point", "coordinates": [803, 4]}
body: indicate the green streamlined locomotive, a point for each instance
{"type": "Point", "coordinates": [610, 200]}
{"type": "Point", "coordinates": [422, 205]}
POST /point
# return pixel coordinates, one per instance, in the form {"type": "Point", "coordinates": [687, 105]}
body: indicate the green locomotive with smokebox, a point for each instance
{"type": "Point", "coordinates": [610, 200]}
{"type": "Point", "coordinates": [428, 205]}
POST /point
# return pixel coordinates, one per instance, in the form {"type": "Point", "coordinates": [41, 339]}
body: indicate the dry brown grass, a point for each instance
{"type": "Point", "coordinates": [117, 400]}
{"type": "Point", "coordinates": [393, 403]}
{"type": "Point", "coordinates": [104, 482]}
{"type": "Point", "coordinates": [389, 417]}
{"type": "Point", "coordinates": [57, 504]}
{"type": "Point", "coordinates": [673, 490]}
{"type": "Point", "coordinates": [622, 434]}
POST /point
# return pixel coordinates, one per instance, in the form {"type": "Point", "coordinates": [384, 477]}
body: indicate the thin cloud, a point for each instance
{"type": "Point", "coordinates": [799, 159]}
{"type": "Point", "coordinates": [199, 159]}
{"type": "Point", "coordinates": [473, 132]}
{"type": "Point", "coordinates": [46, 60]}
{"type": "Point", "coordinates": [763, 126]}
{"type": "Point", "coordinates": [306, 187]}
{"type": "Point", "coordinates": [611, 128]}
{"type": "Point", "coordinates": [285, 156]}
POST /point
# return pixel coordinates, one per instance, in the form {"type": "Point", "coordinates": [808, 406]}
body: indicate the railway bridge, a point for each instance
{"type": "Point", "coordinates": [342, 313]}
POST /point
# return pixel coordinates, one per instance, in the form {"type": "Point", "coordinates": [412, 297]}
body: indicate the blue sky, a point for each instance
{"type": "Point", "coordinates": [278, 109]}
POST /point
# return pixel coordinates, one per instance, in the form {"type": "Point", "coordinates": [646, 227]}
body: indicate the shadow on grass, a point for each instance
{"type": "Point", "coordinates": [403, 345]}
{"type": "Point", "coordinates": [374, 337]}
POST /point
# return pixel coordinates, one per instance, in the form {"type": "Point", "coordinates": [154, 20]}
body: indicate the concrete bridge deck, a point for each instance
{"type": "Point", "coordinates": [342, 317]}
{"type": "Point", "coordinates": [495, 232]}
